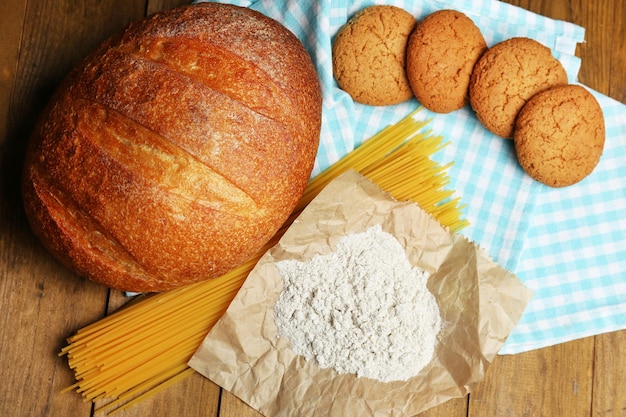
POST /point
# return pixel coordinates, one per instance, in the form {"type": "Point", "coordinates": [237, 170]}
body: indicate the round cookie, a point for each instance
{"type": "Point", "coordinates": [441, 54]}
{"type": "Point", "coordinates": [559, 135]}
{"type": "Point", "coordinates": [368, 55]}
{"type": "Point", "coordinates": [506, 76]}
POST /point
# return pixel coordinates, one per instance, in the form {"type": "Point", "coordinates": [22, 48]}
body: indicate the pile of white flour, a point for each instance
{"type": "Point", "coordinates": [362, 309]}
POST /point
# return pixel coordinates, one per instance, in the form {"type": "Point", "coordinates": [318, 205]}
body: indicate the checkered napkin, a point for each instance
{"type": "Point", "coordinates": [565, 244]}
{"type": "Point", "coordinates": [574, 256]}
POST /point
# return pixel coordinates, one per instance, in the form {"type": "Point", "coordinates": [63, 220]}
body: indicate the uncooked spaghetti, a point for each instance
{"type": "Point", "coordinates": [144, 347]}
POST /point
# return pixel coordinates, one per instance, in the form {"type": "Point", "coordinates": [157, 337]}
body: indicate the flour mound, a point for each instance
{"type": "Point", "coordinates": [362, 309]}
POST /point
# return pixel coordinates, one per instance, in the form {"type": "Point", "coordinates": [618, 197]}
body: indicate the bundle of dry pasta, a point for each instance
{"type": "Point", "coordinates": [144, 347]}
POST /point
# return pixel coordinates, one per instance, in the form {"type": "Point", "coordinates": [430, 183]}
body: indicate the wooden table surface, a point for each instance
{"type": "Point", "coordinates": [42, 303]}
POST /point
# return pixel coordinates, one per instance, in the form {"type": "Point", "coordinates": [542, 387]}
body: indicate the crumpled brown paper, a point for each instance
{"type": "Point", "coordinates": [480, 303]}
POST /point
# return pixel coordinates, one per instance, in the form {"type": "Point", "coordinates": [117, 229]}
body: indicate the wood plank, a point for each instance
{"type": "Point", "coordinates": [557, 9]}
{"type": "Point", "coordinates": [609, 396]}
{"type": "Point", "coordinates": [157, 5]}
{"type": "Point", "coordinates": [42, 302]}
{"type": "Point", "coordinates": [453, 408]}
{"type": "Point", "coordinates": [32, 286]}
{"type": "Point", "coordinates": [193, 396]}
{"type": "Point", "coordinates": [38, 312]}
{"type": "Point", "coordinates": [231, 405]}
{"type": "Point", "coordinates": [595, 52]}
{"type": "Point", "coordinates": [554, 381]}
{"type": "Point", "coordinates": [11, 23]}
{"type": "Point", "coordinates": [617, 63]}
{"type": "Point", "coordinates": [57, 36]}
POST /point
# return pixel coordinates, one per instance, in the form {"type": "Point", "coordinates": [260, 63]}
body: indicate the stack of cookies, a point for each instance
{"type": "Point", "coordinates": [517, 89]}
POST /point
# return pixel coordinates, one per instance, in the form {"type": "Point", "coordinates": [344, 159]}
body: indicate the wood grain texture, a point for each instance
{"type": "Point", "coordinates": [454, 408]}
{"type": "Point", "coordinates": [194, 396]}
{"type": "Point", "coordinates": [232, 406]}
{"type": "Point", "coordinates": [11, 24]}
{"type": "Point", "coordinates": [617, 61]}
{"type": "Point", "coordinates": [158, 5]}
{"type": "Point", "coordinates": [555, 381]}
{"type": "Point", "coordinates": [42, 303]}
{"type": "Point", "coordinates": [596, 51]}
{"type": "Point", "coordinates": [609, 377]}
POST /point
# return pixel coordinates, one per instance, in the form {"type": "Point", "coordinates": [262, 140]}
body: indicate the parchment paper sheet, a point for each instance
{"type": "Point", "coordinates": [480, 303]}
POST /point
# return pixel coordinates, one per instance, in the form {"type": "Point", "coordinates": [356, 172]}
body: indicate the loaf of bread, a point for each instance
{"type": "Point", "coordinates": [176, 150]}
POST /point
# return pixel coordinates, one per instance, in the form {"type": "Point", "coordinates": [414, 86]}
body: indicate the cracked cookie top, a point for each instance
{"type": "Point", "coordinates": [559, 135]}
{"type": "Point", "coordinates": [506, 76]}
{"type": "Point", "coordinates": [368, 55]}
{"type": "Point", "coordinates": [441, 54]}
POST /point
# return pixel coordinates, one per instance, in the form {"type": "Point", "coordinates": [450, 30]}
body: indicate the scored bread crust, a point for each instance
{"type": "Point", "coordinates": [176, 150]}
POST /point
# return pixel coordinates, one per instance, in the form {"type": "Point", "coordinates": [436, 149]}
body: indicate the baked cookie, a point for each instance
{"type": "Point", "coordinates": [506, 76]}
{"type": "Point", "coordinates": [559, 135]}
{"type": "Point", "coordinates": [368, 55]}
{"type": "Point", "coordinates": [441, 54]}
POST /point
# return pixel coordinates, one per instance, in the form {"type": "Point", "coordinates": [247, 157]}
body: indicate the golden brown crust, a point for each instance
{"type": "Point", "coordinates": [176, 150]}
{"type": "Point", "coordinates": [369, 54]}
{"type": "Point", "coordinates": [506, 76]}
{"type": "Point", "coordinates": [559, 135]}
{"type": "Point", "coordinates": [441, 54]}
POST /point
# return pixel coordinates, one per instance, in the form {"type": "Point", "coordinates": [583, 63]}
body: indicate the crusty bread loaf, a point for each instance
{"type": "Point", "coordinates": [176, 150]}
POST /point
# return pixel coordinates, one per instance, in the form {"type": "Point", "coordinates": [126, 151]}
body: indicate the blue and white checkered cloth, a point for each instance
{"type": "Point", "coordinates": [568, 245]}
